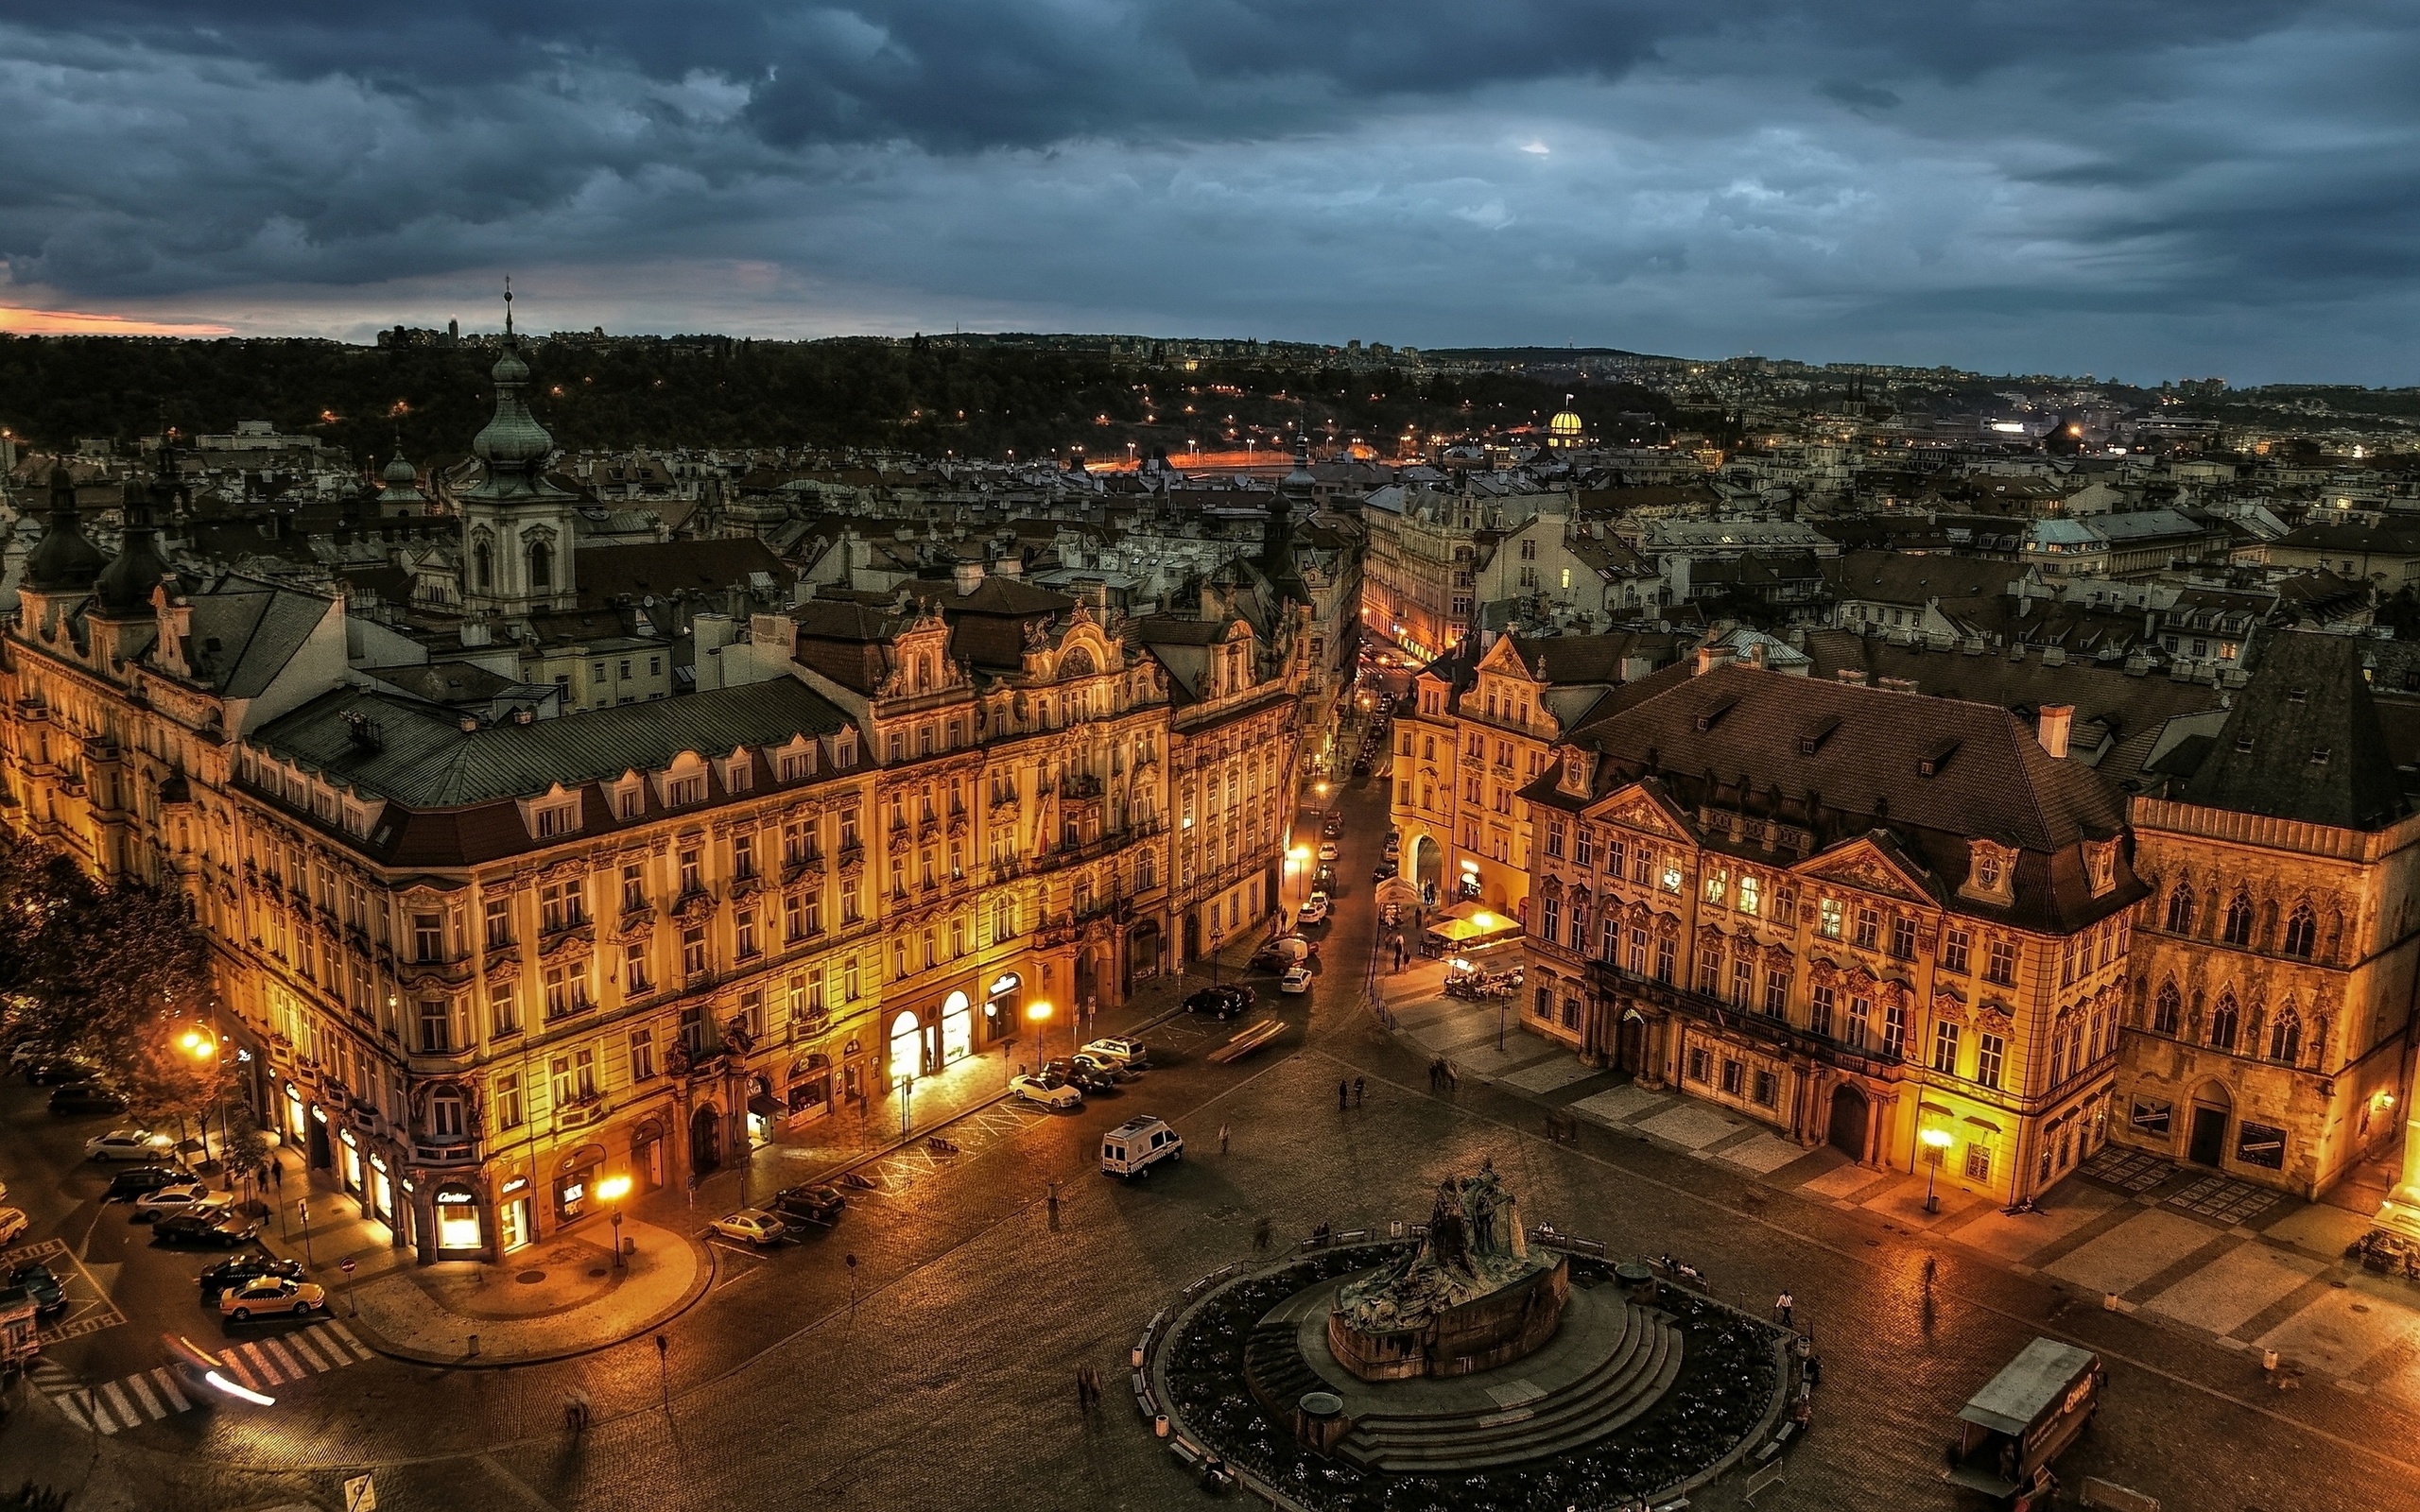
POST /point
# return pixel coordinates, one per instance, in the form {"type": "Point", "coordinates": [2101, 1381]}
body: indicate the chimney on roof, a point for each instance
{"type": "Point", "coordinates": [968, 576]}
{"type": "Point", "coordinates": [1009, 565]}
{"type": "Point", "coordinates": [2056, 720]}
{"type": "Point", "coordinates": [1711, 657]}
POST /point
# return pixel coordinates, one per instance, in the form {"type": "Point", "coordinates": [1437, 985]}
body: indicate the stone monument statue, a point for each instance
{"type": "Point", "coordinates": [1469, 1298]}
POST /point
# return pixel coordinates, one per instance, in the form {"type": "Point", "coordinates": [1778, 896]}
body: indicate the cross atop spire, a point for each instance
{"type": "Point", "coordinates": [508, 306]}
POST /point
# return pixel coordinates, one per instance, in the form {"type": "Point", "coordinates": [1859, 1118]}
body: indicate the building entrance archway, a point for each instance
{"type": "Point", "coordinates": [1852, 1115]}
{"type": "Point", "coordinates": [1427, 867]}
{"type": "Point", "coordinates": [2206, 1141]}
{"type": "Point", "coordinates": [705, 1140]}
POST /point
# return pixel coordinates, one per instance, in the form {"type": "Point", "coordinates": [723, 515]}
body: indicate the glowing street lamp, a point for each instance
{"type": "Point", "coordinates": [1038, 1014]}
{"type": "Point", "coordinates": [614, 1189]}
{"type": "Point", "coordinates": [1936, 1143]}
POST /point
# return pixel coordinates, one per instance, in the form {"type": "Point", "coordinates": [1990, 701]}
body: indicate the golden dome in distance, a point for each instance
{"type": "Point", "coordinates": [1563, 430]}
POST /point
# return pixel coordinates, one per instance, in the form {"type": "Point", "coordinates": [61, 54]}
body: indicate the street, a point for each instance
{"type": "Point", "coordinates": [939, 1370]}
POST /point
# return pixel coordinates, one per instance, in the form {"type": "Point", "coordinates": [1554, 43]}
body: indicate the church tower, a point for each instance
{"type": "Point", "coordinates": [516, 526]}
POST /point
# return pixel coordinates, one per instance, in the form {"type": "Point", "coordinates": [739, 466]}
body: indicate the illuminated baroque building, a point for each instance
{"type": "Point", "coordinates": [1898, 928]}
{"type": "Point", "coordinates": [474, 959]}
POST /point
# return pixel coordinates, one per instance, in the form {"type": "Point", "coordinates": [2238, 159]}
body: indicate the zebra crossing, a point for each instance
{"type": "Point", "coordinates": [147, 1396]}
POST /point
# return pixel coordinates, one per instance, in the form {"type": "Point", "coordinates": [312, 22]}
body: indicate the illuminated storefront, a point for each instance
{"type": "Point", "coordinates": [457, 1218]}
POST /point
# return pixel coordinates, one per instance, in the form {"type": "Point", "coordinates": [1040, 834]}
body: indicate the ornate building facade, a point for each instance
{"type": "Point", "coordinates": [473, 960]}
{"type": "Point", "coordinates": [1899, 929]}
{"type": "Point", "coordinates": [2274, 961]}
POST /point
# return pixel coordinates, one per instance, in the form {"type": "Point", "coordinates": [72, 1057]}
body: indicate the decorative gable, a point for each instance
{"type": "Point", "coordinates": [1639, 807]}
{"type": "Point", "coordinates": [1866, 866]}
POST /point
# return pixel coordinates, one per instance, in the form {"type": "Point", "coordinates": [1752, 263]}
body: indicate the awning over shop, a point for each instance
{"type": "Point", "coordinates": [764, 1107]}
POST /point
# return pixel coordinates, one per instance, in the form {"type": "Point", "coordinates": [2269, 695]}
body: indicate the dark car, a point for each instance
{"type": "Point", "coordinates": [1226, 1001]}
{"type": "Point", "coordinates": [86, 1097]}
{"type": "Point", "coordinates": [141, 1181]}
{"type": "Point", "coordinates": [1332, 828]}
{"type": "Point", "coordinates": [40, 1284]}
{"type": "Point", "coordinates": [1383, 870]}
{"type": "Point", "coordinates": [1361, 768]}
{"type": "Point", "coordinates": [1082, 1074]}
{"type": "Point", "coordinates": [54, 1070]}
{"type": "Point", "coordinates": [237, 1269]}
{"type": "Point", "coordinates": [816, 1204]}
{"type": "Point", "coordinates": [225, 1231]}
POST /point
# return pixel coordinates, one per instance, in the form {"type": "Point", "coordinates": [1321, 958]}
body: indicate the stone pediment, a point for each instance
{"type": "Point", "coordinates": [1641, 807]}
{"type": "Point", "coordinates": [1868, 868]}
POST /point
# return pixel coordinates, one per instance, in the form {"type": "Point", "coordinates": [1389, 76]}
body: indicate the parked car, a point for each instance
{"type": "Point", "coordinates": [239, 1271]}
{"type": "Point", "coordinates": [1109, 1071]}
{"type": "Point", "coordinates": [51, 1071]}
{"type": "Point", "coordinates": [1135, 1146]}
{"type": "Point", "coordinates": [1361, 768]}
{"type": "Point", "coordinates": [25, 1053]}
{"type": "Point", "coordinates": [1297, 979]}
{"type": "Point", "coordinates": [1324, 879]}
{"type": "Point", "coordinates": [1314, 910]}
{"type": "Point", "coordinates": [137, 1179]}
{"type": "Point", "coordinates": [1055, 1095]}
{"type": "Point", "coordinates": [1394, 845]}
{"type": "Point", "coordinates": [86, 1097]}
{"type": "Point", "coordinates": [128, 1144]}
{"type": "Point", "coordinates": [1383, 870]}
{"type": "Point", "coordinates": [1124, 1052]}
{"type": "Point", "coordinates": [816, 1203]}
{"type": "Point", "coordinates": [181, 1197]}
{"type": "Point", "coordinates": [216, 1228]}
{"type": "Point", "coordinates": [12, 1225]}
{"type": "Point", "coordinates": [41, 1284]}
{"type": "Point", "coordinates": [272, 1293]}
{"type": "Point", "coordinates": [751, 1226]}
{"type": "Point", "coordinates": [1226, 1001]}
{"type": "Point", "coordinates": [1084, 1073]}
{"type": "Point", "coordinates": [1333, 825]}
{"type": "Point", "coordinates": [1327, 850]}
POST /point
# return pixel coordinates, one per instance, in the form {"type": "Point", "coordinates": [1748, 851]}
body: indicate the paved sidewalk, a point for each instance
{"type": "Point", "coordinates": [548, 1301]}
{"type": "Point", "coordinates": [2241, 1266]}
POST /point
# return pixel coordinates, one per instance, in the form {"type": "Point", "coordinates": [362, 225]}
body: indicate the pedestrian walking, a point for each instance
{"type": "Point", "coordinates": [1782, 1306]}
{"type": "Point", "coordinates": [1340, 1091]}
{"type": "Point", "coordinates": [1930, 1265]}
{"type": "Point", "coordinates": [1083, 1394]}
{"type": "Point", "coordinates": [1051, 1201]}
{"type": "Point", "coordinates": [1357, 1086]}
{"type": "Point", "coordinates": [277, 1174]}
{"type": "Point", "coordinates": [1453, 1079]}
{"type": "Point", "coordinates": [1260, 1234]}
{"type": "Point", "coordinates": [1222, 1139]}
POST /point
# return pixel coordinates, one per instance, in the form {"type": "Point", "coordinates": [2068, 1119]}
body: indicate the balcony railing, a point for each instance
{"type": "Point", "coordinates": [1872, 1059]}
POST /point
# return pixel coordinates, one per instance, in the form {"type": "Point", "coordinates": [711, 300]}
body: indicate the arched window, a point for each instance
{"type": "Point", "coordinates": [2302, 932]}
{"type": "Point", "coordinates": [542, 565]}
{"type": "Point", "coordinates": [2238, 931]}
{"type": "Point", "coordinates": [2168, 1010]}
{"type": "Point", "coordinates": [2222, 1022]}
{"type": "Point", "coordinates": [2286, 1037]}
{"type": "Point", "coordinates": [2180, 910]}
{"type": "Point", "coordinates": [483, 563]}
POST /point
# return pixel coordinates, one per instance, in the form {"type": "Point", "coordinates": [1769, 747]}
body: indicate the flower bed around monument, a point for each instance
{"type": "Point", "coordinates": [1727, 1385]}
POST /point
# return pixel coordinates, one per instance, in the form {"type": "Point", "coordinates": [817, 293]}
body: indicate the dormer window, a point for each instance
{"type": "Point", "coordinates": [683, 791]}
{"type": "Point", "coordinates": [557, 819]}
{"type": "Point", "coordinates": [1991, 871]}
{"type": "Point", "coordinates": [1575, 773]}
{"type": "Point", "coordinates": [2100, 863]}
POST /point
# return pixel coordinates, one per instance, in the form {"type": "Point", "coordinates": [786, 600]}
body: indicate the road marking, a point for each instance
{"type": "Point", "coordinates": [167, 1383]}
{"type": "Point", "coordinates": [148, 1396]}
{"type": "Point", "coordinates": [142, 1390]}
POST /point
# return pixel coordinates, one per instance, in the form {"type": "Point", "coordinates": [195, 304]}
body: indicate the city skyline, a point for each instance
{"type": "Point", "coordinates": [2087, 194]}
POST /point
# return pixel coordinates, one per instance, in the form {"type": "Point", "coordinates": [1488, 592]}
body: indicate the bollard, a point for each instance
{"type": "Point", "coordinates": [2109, 1302]}
{"type": "Point", "coordinates": [1136, 1357]}
{"type": "Point", "coordinates": [475, 1344]}
{"type": "Point", "coordinates": [2269, 1361]}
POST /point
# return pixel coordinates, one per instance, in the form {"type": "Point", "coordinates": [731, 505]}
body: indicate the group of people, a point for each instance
{"type": "Point", "coordinates": [1087, 1387]}
{"type": "Point", "coordinates": [1443, 1077]}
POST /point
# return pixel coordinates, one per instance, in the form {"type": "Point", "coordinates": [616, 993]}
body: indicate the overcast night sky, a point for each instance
{"type": "Point", "coordinates": [2229, 188]}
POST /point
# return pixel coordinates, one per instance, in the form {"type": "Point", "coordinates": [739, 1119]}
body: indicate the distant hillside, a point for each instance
{"type": "Point", "coordinates": [926, 397]}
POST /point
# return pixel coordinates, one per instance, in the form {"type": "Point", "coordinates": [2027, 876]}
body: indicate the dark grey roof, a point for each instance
{"type": "Point", "coordinates": [246, 632]}
{"type": "Point", "coordinates": [423, 758]}
{"type": "Point", "coordinates": [2304, 741]}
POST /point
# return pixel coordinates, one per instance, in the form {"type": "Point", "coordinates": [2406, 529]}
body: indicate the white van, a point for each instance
{"type": "Point", "coordinates": [1135, 1146]}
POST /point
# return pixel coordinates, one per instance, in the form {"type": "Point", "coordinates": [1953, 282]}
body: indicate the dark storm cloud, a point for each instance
{"type": "Point", "coordinates": [1720, 175]}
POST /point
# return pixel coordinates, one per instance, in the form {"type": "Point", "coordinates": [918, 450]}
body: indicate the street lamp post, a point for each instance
{"type": "Point", "coordinates": [1038, 1014]}
{"type": "Point", "coordinates": [1936, 1143]}
{"type": "Point", "coordinates": [614, 1189]}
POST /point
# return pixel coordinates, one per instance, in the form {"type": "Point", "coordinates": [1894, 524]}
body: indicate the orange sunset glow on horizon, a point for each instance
{"type": "Point", "coordinates": [31, 322]}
